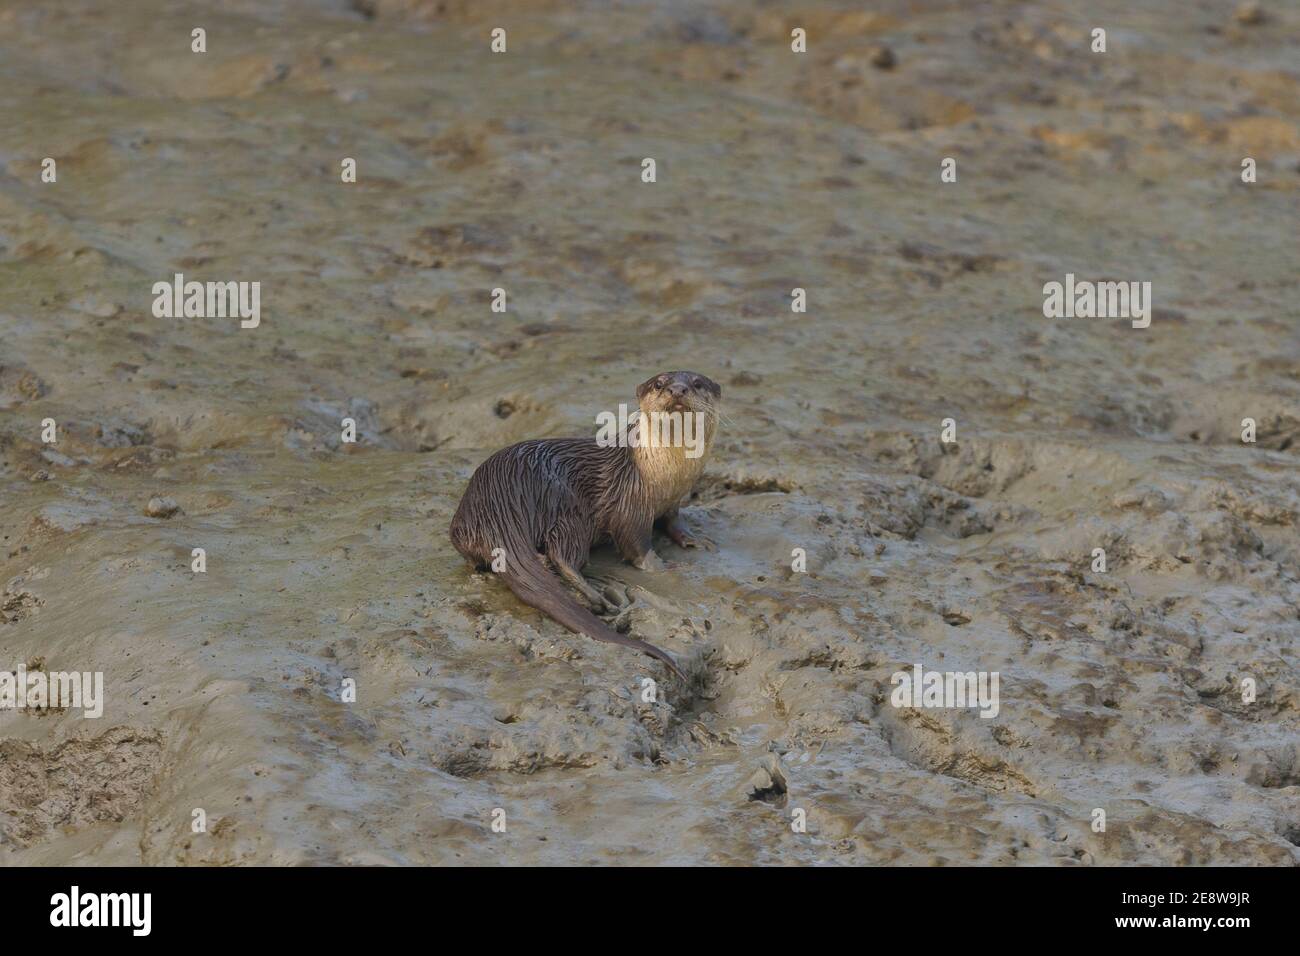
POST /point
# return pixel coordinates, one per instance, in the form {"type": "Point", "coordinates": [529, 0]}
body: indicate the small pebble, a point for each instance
{"type": "Point", "coordinates": [882, 57]}
{"type": "Point", "coordinates": [768, 782]}
{"type": "Point", "coordinates": [1251, 14]}
{"type": "Point", "coordinates": [161, 507]}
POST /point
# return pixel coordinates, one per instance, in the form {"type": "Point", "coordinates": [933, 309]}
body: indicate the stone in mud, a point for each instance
{"type": "Point", "coordinates": [159, 507]}
{"type": "Point", "coordinates": [1250, 14]}
{"type": "Point", "coordinates": [882, 57]}
{"type": "Point", "coordinates": [768, 781]}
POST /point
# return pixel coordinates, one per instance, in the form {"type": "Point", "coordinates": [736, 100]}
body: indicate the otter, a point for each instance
{"type": "Point", "coordinates": [550, 501]}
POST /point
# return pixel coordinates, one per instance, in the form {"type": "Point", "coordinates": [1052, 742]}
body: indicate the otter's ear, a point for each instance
{"type": "Point", "coordinates": [717, 389]}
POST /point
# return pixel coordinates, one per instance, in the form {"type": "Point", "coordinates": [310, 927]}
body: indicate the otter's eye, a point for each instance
{"type": "Point", "coordinates": [698, 383]}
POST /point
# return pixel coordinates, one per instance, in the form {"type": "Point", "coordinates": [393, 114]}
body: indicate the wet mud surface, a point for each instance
{"type": "Point", "coordinates": [1119, 690]}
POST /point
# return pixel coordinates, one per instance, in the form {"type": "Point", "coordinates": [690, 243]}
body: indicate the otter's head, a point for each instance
{"type": "Point", "coordinates": [679, 415]}
{"type": "Point", "coordinates": [679, 392]}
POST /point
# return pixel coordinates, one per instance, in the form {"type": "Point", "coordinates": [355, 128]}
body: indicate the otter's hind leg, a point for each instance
{"type": "Point", "coordinates": [615, 599]}
{"type": "Point", "coordinates": [574, 577]}
{"type": "Point", "coordinates": [567, 547]}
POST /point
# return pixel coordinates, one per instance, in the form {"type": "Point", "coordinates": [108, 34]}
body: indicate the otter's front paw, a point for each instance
{"type": "Point", "coordinates": [649, 562]}
{"type": "Point", "coordinates": [684, 539]}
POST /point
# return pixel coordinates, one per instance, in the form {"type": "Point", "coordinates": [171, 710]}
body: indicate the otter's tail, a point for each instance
{"type": "Point", "coordinates": [536, 586]}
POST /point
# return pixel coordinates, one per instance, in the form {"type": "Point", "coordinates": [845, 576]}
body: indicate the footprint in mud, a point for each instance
{"type": "Point", "coordinates": [922, 742]}
{"type": "Point", "coordinates": [19, 385]}
{"type": "Point", "coordinates": [717, 487]}
{"type": "Point", "coordinates": [17, 605]}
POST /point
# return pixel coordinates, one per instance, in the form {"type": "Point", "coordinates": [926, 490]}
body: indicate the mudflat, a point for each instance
{"type": "Point", "coordinates": [329, 561]}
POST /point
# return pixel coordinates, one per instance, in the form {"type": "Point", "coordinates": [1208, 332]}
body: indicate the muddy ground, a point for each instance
{"type": "Point", "coordinates": [1120, 691]}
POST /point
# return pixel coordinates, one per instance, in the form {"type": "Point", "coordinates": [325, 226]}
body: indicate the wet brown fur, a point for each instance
{"type": "Point", "coordinates": [549, 501]}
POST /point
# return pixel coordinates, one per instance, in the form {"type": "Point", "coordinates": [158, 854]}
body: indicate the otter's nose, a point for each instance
{"type": "Point", "coordinates": [677, 390]}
